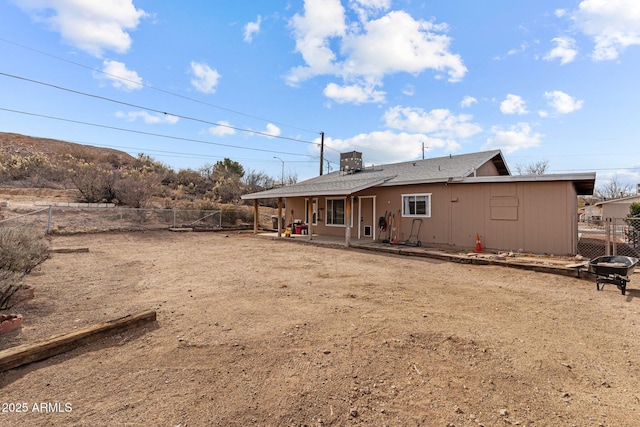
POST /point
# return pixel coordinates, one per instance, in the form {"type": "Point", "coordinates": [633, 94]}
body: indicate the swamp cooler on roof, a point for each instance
{"type": "Point", "coordinates": [351, 162]}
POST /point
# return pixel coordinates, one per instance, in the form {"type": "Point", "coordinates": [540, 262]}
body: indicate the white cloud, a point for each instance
{"type": "Point", "coordinates": [613, 25]}
{"type": "Point", "coordinates": [565, 50]}
{"type": "Point", "coordinates": [92, 26]}
{"type": "Point", "coordinates": [409, 90]}
{"type": "Point", "coordinates": [562, 102]}
{"type": "Point", "coordinates": [252, 28]}
{"type": "Point", "coordinates": [353, 94]}
{"type": "Point", "coordinates": [440, 123]}
{"type": "Point", "coordinates": [204, 78]}
{"type": "Point", "coordinates": [272, 130]}
{"type": "Point", "coordinates": [516, 137]}
{"type": "Point", "coordinates": [364, 8]}
{"type": "Point", "coordinates": [387, 146]}
{"type": "Point", "coordinates": [148, 118]}
{"type": "Point", "coordinates": [222, 130]}
{"type": "Point", "coordinates": [321, 21]}
{"type": "Point", "coordinates": [560, 13]}
{"type": "Point", "coordinates": [119, 76]}
{"type": "Point", "coordinates": [468, 101]}
{"type": "Point", "coordinates": [331, 46]}
{"type": "Point", "coordinates": [513, 104]}
{"type": "Point", "coordinates": [520, 49]}
{"type": "Point", "coordinates": [403, 44]}
{"type": "Point", "coordinates": [523, 46]}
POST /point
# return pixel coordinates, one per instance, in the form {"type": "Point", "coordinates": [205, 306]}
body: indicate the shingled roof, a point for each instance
{"type": "Point", "coordinates": [439, 169]}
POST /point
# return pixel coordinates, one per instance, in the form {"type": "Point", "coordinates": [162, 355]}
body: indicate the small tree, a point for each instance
{"type": "Point", "coordinates": [537, 168]}
{"type": "Point", "coordinates": [254, 181]}
{"type": "Point", "coordinates": [228, 167]}
{"type": "Point", "coordinates": [614, 189]}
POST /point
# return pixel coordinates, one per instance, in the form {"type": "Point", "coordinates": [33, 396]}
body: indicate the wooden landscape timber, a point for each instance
{"type": "Point", "coordinates": [28, 353]}
{"type": "Point", "coordinates": [69, 250]}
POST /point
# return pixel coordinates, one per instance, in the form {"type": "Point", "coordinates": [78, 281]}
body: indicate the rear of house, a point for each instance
{"type": "Point", "coordinates": [442, 202]}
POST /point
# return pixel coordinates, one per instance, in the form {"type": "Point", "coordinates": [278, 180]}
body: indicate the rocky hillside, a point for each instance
{"type": "Point", "coordinates": [12, 143]}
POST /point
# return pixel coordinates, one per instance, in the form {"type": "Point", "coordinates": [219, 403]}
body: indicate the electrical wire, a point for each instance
{"type": "Point", "coordinates": [153, 109]}
{"type": "Point", "coordinates": [152, 87]}
{"type": "Point", "coordinates": [182, 154]}
{"type": "Point", "coordinates": [151, 133]}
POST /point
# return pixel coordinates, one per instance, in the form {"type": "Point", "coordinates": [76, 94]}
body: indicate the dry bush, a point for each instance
{"type": "Point", "coordinates": [21, 250]}
{"type": "Point", "coordinates": [95, 182]}
{"type": "Point", "coordinates": [135, 188]}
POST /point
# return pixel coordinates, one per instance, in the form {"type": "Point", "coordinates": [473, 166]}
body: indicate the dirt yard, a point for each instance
{"type": "Point", "coordinates": [253, 331]}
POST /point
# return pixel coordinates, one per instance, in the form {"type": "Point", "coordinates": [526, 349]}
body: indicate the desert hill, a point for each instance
{"type": "Point", "coordinates": [12, 143]}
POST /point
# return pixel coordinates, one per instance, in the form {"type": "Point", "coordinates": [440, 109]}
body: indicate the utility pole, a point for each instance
{"type": "Point", "coordinates": [321, 151]}
{"type": "Point", "coordinates": [423, 148]}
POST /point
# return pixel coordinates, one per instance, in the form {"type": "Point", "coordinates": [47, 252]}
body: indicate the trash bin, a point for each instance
{"type": "Point", "coordinates": [274, 222]}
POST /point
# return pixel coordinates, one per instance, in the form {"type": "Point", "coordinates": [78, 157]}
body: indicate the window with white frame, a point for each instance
{"type": "Point", "coordinates": [416, 205]}
{"type": "Point", "coordinates": [335, 212]}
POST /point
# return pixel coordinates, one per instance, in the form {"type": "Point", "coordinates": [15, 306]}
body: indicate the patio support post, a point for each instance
{"type": "Point", "coordinates": [255, 216]}
{"type": "Point", "coordinates": [279, 216]}
{"type": "Point", "coordinates": [347, 221]}
{"type": "Point", "coordinates": [310, 218]}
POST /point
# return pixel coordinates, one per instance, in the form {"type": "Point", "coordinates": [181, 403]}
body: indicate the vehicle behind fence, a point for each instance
{"type": "Point", "coordinates": [88, 219]}
{"type": "Point", "coordinates": [613, 236]}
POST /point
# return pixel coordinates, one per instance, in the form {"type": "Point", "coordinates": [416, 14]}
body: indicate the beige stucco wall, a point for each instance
{"type": "Point", "coordinates": [536, 217]}
{"type": "Point", "coordinates": [617, 209]}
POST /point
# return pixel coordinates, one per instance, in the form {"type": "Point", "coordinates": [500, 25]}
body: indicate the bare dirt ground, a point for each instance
{"type": "Point", "coordinates": [253, 331]}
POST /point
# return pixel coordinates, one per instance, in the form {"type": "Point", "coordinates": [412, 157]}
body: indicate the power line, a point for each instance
{"type": "Point", "coordinates": [151, 133]}
{"type": "Point", "coordinates": [153, 109]}
{"type": "Point", "coordinates": [182, 154]}
{"type": "Point", "coordinates": [594, 170]}
{"type": "Point", "coordinates": [153, 87]}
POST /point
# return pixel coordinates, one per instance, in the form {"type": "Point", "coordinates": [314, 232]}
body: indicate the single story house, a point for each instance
{"type": "Point", "coordinates": [614, 208]}
{"type": "Point", "coordinates": [445, 201]}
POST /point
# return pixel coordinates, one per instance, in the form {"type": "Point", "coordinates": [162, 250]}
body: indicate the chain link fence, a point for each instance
{"type": "Point", "coordinates": [611, 236]}
{"type": "Point", "coordinates": [89, 219]}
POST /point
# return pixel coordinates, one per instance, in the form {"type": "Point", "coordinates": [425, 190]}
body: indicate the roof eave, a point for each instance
{"type": "Point", "coordinates": [269, 194]}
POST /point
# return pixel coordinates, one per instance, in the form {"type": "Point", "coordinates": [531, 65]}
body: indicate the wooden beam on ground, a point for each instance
{"type": "Point", "coordinates": [69, 250]}
{"type": "Point", "coordinates": [28, 353]}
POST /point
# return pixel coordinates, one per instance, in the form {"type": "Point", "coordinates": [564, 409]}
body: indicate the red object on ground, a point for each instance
{"type": "Point", "coordinates": [478, 243]}
{"type": "Point", "coordinates": [10, 322]}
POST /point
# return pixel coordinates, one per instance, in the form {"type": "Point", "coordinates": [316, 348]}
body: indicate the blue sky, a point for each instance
{"type": "Point", "coordinates": [196, 81]}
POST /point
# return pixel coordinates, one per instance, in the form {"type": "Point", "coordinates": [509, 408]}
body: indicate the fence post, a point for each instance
{"type": "Point", "coordinates": [607, 236]}
{"type": "Point", "coordinates": [615, 232]}
{"type": "Point", "coordinates": [174, 217]}
{"type": "Point", "coordinates": [49, 220]}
